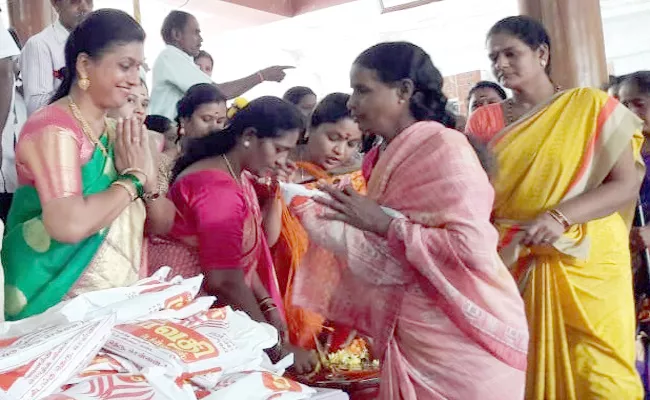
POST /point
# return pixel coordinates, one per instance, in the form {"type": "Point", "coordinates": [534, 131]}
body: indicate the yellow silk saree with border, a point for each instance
{"type": "Point", "coordinates": [578, 292]}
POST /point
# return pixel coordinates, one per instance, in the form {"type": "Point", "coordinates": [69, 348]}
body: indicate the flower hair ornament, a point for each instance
{"type": "Point", "coordinates": [237, 104]}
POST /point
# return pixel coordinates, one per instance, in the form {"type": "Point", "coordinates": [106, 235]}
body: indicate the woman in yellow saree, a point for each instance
{"type": "Point", "coordinates": [77, 221]}
{"type": "Point", "coordinates": [333, 139]}
{"type": "Point", "coordinates": [568, 174]}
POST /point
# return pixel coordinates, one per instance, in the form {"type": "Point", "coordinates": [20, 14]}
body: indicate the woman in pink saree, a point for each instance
{"type": "Point", "coordinates": [425, 282]}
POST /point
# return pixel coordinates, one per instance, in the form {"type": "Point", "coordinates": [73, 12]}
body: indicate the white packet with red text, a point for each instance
{"type": "Point", "coordinates": [46, 374]}
{"type": "Point", "coordinates": [127, 303]}
{"type": "Point", "coordinates": [122, 386]}
{"type": "Point", "coordinates": [198, 305]}
{"type": "Point", "coordinates": [259, 385]}
{"type": "Point", "coordinates": [262, 363]}
{"type": "Point", "coordinates": [18, 351]}
{"type": "Point", "coordinates": [194, 346]}
{"type": "Point", "coordinates": [177, 390]}
{"type": "Point", "coordinates": [160, 276]}
{"type": "Point", "coordinates": [105, 364]}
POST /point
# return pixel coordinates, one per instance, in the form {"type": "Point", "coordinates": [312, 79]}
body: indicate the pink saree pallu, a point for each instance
{"type": "Point", "coordinates": [445, 314]}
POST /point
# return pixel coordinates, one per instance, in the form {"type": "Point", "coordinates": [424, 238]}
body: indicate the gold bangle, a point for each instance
{"type": "Point", "coordinates": [563, 218]}
{"type": "Point", "coordinates": [126, 187]}
{"type": "Point", "coordinates": [269, 309]}
{"type": "Point", "coordinates": [127, 171]}
{"type": "Point", "coordinates": [555, 218]}
{"type": "Point", "coordinates": [264, 301]}
{"type": "Point", "coordinates": [560, 218]}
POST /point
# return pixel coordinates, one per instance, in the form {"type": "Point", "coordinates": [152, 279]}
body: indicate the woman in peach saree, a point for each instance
{"type": "Point", "coordinates": [565, 189]}
{"type": "Point", "coordinates": [423, 279]}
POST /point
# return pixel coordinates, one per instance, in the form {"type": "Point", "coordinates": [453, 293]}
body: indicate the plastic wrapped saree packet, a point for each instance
{"type": "Point", "coordinates": [46, 374]}
{"type": "Point", "coordinates": [148, 385]}
{"type": "Point", "coordinates": [293, 191]}
{"type": "Point", "coordinates": [127, 303]}
{"type": "Point", "coordinates": [259, 385]}
{"type": "Point", "coordinates": [206, 344]}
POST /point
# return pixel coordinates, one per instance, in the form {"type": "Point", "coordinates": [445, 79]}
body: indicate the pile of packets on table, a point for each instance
{"type": "Point", "coordinates": [151, 341]}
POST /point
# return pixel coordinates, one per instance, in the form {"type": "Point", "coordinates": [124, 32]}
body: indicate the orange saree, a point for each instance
{"type": "Point", "coordinates": [288, 253]}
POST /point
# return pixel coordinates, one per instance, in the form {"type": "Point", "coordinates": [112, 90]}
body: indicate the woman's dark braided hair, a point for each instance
{"type": "Point", "coordinates": [395, 61]}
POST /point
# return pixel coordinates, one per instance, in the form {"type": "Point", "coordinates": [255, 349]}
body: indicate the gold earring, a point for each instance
{"type": "Point", "coordinates": [83, 83]}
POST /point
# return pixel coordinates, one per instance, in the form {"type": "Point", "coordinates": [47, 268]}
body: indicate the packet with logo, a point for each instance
{"type": "Point", "coordinates": [207, 343]}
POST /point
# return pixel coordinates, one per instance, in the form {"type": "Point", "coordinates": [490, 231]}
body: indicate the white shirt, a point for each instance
{"type": "Point", "coordinates": [43, 54]}
{"type": "Point", "coordinates": [173, 73]}
{"type": "Point", "coordinates": [15, 121]}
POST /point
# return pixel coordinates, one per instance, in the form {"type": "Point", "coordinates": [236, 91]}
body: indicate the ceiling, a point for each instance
{"type": "Point", "coordinates": [287, 8]}
{"type": "Point", "coordinates": [291, 8]}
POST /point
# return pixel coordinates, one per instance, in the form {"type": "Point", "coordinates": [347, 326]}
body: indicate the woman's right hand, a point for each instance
{"type": "Point", "coordinates": [305, 361]}
{"type": "Point", "coordinates": [132, 149]}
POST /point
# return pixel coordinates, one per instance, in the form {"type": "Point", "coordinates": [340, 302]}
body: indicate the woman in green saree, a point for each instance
{"type": "Point", "coordinates": [77, 221]}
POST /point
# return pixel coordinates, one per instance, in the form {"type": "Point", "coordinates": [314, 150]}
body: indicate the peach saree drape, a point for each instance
{"type": "Point", "coordinates": [444, 312]}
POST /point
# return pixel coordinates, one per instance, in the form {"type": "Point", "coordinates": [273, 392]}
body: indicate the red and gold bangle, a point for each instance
{"type": "Point", "coordinates": [560, 218]}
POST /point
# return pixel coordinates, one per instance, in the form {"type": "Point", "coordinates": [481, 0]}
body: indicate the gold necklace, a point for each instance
{"type": "Point", "coordinates": [85, 127]}
{"type": "Point", "coordinates": [510, 104]}
{"type": "Point", "coordinates": [230, 169]}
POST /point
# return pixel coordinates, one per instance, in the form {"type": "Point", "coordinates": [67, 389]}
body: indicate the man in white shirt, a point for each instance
{"type": "Point", "coordinates": [43, 57]}
{"type": "Point", "coordinates": [174, 71]}
{"type": "Point", "coordinates": [8, 120]}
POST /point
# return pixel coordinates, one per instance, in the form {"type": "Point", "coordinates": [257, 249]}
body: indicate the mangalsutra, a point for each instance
{"type": "Point", "coordinates": [230, 169]}
{"type": "Point", "coordinates": [510, 104]}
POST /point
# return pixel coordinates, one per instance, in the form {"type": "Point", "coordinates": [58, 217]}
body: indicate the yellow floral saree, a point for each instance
{"type": "Point", "coordinates": [578, 293]}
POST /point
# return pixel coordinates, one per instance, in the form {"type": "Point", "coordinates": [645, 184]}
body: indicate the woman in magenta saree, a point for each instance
{"type": "Point", "coordinates": [221, 229]}
{"type": "Point", "coordinates": [427, 284]}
